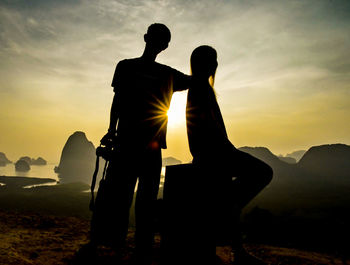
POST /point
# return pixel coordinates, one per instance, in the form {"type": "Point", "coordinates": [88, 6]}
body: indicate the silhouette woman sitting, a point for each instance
{"type": "Point", "coordinates": [235, 177]}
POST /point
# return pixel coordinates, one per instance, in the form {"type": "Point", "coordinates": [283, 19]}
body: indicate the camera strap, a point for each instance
{"type": "Point", "coordinates": [93, 181]}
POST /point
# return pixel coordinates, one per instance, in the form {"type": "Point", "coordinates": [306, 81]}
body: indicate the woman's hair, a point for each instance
{"type": "Point", "coordinates": [204, 62]}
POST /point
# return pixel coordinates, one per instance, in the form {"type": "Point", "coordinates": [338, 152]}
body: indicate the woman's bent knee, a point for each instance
{"type": "Point", "coordinates": [267, 174]}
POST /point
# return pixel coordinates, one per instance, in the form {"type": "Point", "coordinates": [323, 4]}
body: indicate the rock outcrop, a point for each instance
{"type": "Point", "coordinates": [77, 161]}
{"type": "Point", "coordinates": [4, 160]}
{"type": "Point", "coordinates": [34, 162]}
{"type": "Point", "coordinates": [39, 161]}
{"type": "Point", "coordinates": [22, 165]}
{"type": "Point", "coordinates": [27, 159]}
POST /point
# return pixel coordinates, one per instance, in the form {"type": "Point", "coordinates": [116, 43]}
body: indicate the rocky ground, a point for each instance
{"type": "Point", "coordinates": [27, 238]}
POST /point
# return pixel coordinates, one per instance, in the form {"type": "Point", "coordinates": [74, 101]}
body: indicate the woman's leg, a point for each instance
{"type": "Point", "coordinates": [250, 177]}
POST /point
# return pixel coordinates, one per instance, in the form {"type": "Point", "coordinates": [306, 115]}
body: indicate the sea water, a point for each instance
{"type": "Point", "coordinates": [46, 171]}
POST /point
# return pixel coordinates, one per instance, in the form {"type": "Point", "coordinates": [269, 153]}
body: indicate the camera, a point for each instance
{"type": "Point", "coordinates": [107, 145]}
{"type": "Point", "coordinates": [105, 152]}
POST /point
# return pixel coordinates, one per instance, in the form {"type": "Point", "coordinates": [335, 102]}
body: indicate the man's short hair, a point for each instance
{"type": "Point", "coordinates": [159, 31]}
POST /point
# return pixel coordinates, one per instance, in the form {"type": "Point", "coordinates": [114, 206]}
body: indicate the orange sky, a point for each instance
{"type": "Point", "coordinates": [282, 81]}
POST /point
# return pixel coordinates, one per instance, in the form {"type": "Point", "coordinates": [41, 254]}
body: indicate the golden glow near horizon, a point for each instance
{"type": "Point", "coordinates": [283, 79]}
{"type": "Point", "coordinates": [177, 111]}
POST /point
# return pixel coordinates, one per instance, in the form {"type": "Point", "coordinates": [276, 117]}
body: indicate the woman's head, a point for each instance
{"type": "Point", "coordinates": [204, 62]}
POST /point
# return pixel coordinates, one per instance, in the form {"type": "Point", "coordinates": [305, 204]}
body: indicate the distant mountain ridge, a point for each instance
{"type": "Point", "coordinates": [310, 197]}
{"type": "Point", "coordinates": [322, 175]}
{"type": "Point", "coordinates": [297, 155]}
{"type": "Point", "coordinates": [287, 159]}
{"type": "Point", "coordinates": [323, 160]}
{"type": "Point", "coordinates": [279, 167]}
{"type": "Point", "coordinates": [262, 153]}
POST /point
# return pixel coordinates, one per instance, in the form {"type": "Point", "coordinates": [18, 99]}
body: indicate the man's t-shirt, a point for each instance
{"type": "Point", "coordinates": [144, 90]}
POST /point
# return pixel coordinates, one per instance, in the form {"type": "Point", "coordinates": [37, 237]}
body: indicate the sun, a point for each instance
{"type": "Point", "coordinates": [177, 111]}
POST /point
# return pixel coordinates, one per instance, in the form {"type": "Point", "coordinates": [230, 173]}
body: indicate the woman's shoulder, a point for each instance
{"type": "Point", "coordinates": [199, 87]}
{"type": "Point", "coordinates": [201, 90]}
{"type": "Point", "coordinates": [199, 96]}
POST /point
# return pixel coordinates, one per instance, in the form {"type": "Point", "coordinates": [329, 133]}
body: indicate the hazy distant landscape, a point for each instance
{"type": "Point", "coordinates": [306, 205]}
{"type": "Point", "coordinates": [282, 84]}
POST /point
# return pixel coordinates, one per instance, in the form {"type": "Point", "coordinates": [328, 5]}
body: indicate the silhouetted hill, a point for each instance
{"type": "Point", "coordinates": [27, 159]}
{"type": "Point", "coordinates": [22, 165]}
{"type": "Point", "coordinates": [4, 160]}
{"type": "Point", "coordinates": [279, 167]}
{"type": "Point", "coordinates": [317, 181]}
{"type": "Point", "coordinates": [168, 161]}
{"type": "Point", "coordinates": [262, 153]}
{"type": "Point", "coordinates": [327, 160]}
{"type": "Point", "coordinates": [39, 161]}
{"type": "Point", "coordinates": [297, 155]}
{"type": "Point", "coordinates": [34, 162]}
{"type": "Point", "coordinates": [77, 161]}
{"type": "Point", "coordinates": [308, 197]}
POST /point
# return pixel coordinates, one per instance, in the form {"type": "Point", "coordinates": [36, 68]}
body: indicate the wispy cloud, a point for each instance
{"type": "Point", "coordinates": [273, 55]}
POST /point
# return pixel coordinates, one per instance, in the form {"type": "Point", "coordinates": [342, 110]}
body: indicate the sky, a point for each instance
{"type": "Point", "coordinates": [283, 79]}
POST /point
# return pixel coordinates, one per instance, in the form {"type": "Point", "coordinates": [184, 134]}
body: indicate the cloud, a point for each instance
{"type": "Point", "coordinates": [273, 55]}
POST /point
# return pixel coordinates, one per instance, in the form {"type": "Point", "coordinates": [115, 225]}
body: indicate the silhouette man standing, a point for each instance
{"type": "Point", "coordinates": [138, 122]}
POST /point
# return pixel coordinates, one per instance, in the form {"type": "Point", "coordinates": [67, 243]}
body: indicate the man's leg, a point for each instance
{"type": "Point", "coordinates": [109, 224]}
{"type": "Point", "coordinates": [145, 201]}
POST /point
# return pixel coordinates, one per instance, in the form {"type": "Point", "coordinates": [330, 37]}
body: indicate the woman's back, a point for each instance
{"type": "Point", "coordinates": [205, 126]}
{"type": "Point", "coordinates": [232, 178]}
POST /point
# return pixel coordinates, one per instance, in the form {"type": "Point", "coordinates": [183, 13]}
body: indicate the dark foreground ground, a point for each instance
{"type": "Point", "coordinates": [27, 238]}
{"type": "Point", "coordinates": [48, 225]}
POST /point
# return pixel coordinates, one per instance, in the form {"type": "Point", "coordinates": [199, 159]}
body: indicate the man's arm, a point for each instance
{"type": "Point", "coordinates": [181, 81]}
{"type": "Point", "coordinates": [115, 108]}
{"type": "Point", "coordinates": [114, 117]}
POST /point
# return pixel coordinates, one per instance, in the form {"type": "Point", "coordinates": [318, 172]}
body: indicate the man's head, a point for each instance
{"type": "Point", "coordinates": [157, 37]}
